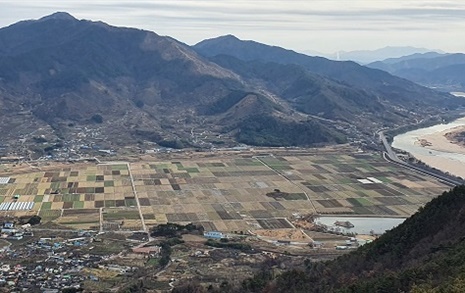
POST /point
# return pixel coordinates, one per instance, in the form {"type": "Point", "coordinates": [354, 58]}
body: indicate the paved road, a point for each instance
{"type": "Point", "coordinates": [33, 228]}
{"type": "Point", "coordinates": [101, 219]}
{"type": "Point", "coordinates": [391, 156]}
{"type": "Point", "coordinates": [144, 227]}
{"type": "Point", "coordinates": [390, 153]}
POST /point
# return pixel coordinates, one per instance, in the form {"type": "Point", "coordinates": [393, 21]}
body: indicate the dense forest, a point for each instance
{"type": "Point", "coordinates": [270, 131]}
{"type": "Point", "coordinates": [423, 254]}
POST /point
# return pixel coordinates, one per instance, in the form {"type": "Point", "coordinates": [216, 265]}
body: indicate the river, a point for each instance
{"type": "Point", "coordinates": [440, 153]}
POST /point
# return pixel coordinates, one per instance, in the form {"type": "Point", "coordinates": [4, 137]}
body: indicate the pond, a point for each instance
{"type": "Point", "coordinates": [362, 225]}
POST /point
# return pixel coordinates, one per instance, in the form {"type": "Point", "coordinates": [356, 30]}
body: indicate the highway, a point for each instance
{"type": "Point", "coordinates": [391, 156]}
{"type": "Point", "coordinates": [389, 151]}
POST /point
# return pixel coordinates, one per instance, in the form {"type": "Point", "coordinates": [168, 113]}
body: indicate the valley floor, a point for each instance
{"type": "Point", "coordinates": [229, 191]}
{"type": "Point", "coordinates": [265, 199]}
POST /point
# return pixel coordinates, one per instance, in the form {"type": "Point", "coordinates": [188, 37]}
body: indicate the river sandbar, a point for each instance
{"type": "Point", "coordinates": [433, 147]}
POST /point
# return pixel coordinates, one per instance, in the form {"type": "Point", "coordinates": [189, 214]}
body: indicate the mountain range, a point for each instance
{"type": "Point", "coordinates": [72, 82]}
{"type": "Point", "coordinates": [443, 71]}
{"type": "Point", "coordinates": [379, 83]}
{"type": "Point", "coordinates": [369, 56]}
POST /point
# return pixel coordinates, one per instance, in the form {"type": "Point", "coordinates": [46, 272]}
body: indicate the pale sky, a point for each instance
{"type": "Point", "coordinates": [325, 26]}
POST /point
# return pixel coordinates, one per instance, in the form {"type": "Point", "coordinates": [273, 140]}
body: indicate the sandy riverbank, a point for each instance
{"type": "Point", "coordinates": [456, 136]}
{"type": "Point", "coordinates": [444, 142]}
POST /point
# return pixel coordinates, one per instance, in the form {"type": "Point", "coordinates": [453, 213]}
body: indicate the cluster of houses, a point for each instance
{"type": "Point", "coordinates": [10, 232]}
{"type": "Point", "coordinates": [50, 264]}
{"type": "Point", "coordinates": [49, 269]}
{"type": "Point", "coordinates": [38, 277]}
{"type": "Point", "coordinates": [352, 243]}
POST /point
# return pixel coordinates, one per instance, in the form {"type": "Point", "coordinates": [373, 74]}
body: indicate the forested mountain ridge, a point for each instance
{"type": "Point", "coordinates": [128, 85]}
{"type": "Point", "coordinates": [387, 88]}
{"type": "Point", "coordinates": [78, 82]}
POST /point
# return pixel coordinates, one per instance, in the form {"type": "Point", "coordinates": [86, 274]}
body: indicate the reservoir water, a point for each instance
{"type": "Point", "coordinates": [442, 155]}
{"type": "Point", "coordinates": [362, 225]}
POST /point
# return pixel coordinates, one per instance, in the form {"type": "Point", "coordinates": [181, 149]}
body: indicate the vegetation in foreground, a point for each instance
{"type": "Point", "coordinates": [424, 254]}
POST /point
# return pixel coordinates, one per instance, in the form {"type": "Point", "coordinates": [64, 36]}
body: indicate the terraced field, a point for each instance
{"type": "Point", "coordinates": [222, 193]}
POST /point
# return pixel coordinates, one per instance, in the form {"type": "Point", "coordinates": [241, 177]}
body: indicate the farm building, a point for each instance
{"type": "Point", "coordinates": [4, 180]}
{"type": "Point", "coordinates": [214, 235]}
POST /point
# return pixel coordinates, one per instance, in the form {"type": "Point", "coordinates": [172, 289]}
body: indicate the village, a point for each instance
{"type": "Point", "coordinates": [50, 258]}
{"type": "Point", "coordinates": [92, 226]}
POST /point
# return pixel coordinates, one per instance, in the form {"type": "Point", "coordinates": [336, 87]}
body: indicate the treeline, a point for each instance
{"type": "Point", "coordinates": [165, 253]}
{"type": "Point", "coordinates": [171, 232]}
{"type": "Point", "coordinates": [272, 132]}
{"type": "Point", "coordinates": [173, 229]}
{"type": "Point", "coordinates": [224, 243]}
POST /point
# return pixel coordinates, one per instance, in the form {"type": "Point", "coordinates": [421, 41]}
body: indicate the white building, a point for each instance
{"type": "Point", "coordinates": [214, 234]}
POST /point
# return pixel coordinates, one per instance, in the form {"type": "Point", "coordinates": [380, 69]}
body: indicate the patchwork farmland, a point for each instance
{"type": "Point", "coordinates": [237, 193]}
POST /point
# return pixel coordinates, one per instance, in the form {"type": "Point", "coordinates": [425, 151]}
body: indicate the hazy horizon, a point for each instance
{"type": "Point", "coordinates": [321, 26]}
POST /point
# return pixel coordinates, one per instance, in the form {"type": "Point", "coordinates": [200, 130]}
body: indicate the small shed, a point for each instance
{"type": "Point", "coordinates": [9, 225]}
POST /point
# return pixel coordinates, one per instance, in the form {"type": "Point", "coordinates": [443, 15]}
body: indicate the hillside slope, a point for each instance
{"type": "Point", "coordinates": [305, 91]}
{"type": "Point", "coordinates": [426, 251]}
{"type": "Point", "coordinates": [120, 85]}
{"type": "Point", "coordinates": [381, 84]}
{"type": "Point", "coordinates": [78, 83]}
{"type": "Point", "coordinates": [423, 254]}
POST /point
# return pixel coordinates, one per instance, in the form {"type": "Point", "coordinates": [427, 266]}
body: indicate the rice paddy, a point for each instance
{"type": "Point", "coordinates": [221, 193]}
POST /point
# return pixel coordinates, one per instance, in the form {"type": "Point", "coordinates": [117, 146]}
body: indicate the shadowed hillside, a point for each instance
{"type": "Point", "coordinates": [80, 82]}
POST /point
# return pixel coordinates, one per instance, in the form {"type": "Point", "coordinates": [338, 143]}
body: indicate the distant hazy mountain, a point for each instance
{"type": "Point", "coordinates": [427, 55]}
{"type": "Point", "coordinates": [315, 53]}
{"type": "Point", "coordinates": [77, 80]}
{"type": "Point", "coordinates": [443, 71]}
{"type": "Point", "coordinates": [369, 56]}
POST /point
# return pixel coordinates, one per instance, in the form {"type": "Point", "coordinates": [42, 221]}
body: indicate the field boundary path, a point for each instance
{"type": "Point", "coordinates": [134, 191]}
{"type": "Point", "coordinates": [287, 179]}
{"type": "Point", "coordinates": [144, 227]}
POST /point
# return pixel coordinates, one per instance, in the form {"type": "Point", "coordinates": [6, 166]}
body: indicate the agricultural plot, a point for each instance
{"type": "Point", "coordinates": [74, 197]}
{"type": "Point", "coordinates": [261, 192]}
{"type": "Point", "coordinates": [226, 194]}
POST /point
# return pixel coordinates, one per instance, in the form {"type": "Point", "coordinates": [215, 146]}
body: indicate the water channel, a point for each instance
{"type": "Point", "coordinates": [442, 154]}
